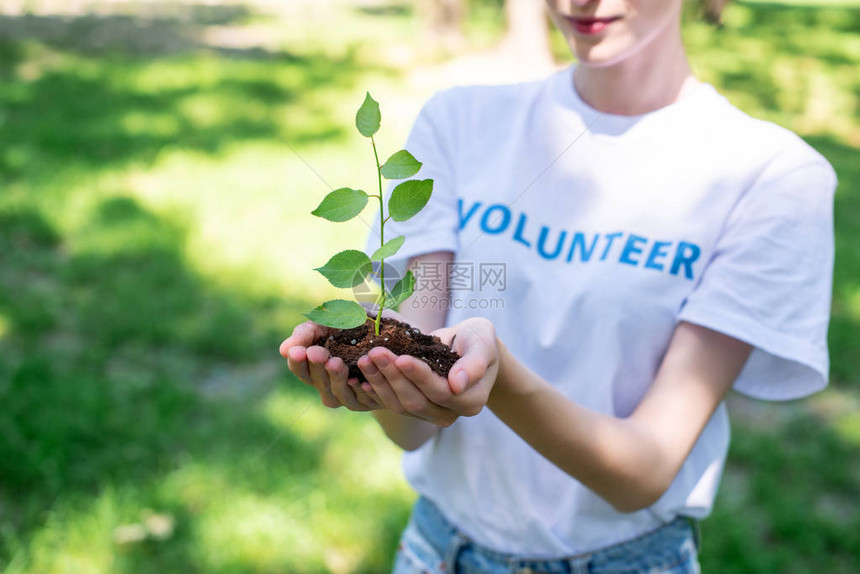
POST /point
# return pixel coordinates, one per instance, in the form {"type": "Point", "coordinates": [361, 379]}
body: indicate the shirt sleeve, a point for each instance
{"type": "Point", "coordinates": [769, 280]}
{"type": "Point", "coordinates": [436, 227]}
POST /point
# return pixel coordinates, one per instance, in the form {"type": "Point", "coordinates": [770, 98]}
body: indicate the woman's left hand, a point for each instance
{"type": "Point", "coordinates": [407, 385]}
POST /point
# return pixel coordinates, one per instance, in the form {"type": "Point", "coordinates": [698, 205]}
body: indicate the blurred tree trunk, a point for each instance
{"type": "Point", "coordinates": [443, 22]}
{"type": "Point", "coordinates": [714, 10]}
{"type": "Point", "coordinates": [528, 32]}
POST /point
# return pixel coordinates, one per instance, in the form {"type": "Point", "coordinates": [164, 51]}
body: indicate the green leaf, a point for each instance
{"type": "Point", "coordinates": [347, 268]}
{"type": "Point", "coordinates": [400, 166]}
{"type": "Point", "coordinates": [341, 205]}
{"type": "Point", "coordinates": [388, 249]}
{"type": "Point", "coordinates": [409, 198]}
{"type": "Point", "coordinates": [401, 291]}
{"type": "Point", "coordinates": [339, 314]}
{"type": "Point", "coordinates": [368, 118]}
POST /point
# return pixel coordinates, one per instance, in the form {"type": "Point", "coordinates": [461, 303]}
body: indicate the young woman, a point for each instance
{"type": "Point", "coordinates": [650, 247]}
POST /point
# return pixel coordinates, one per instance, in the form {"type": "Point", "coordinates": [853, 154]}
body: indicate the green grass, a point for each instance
{"type": "Point", "coordinates": [790, 501]}
{"type": "Point", "coordinates": [156, 246]}
{"type": "Point", "coordinates": [154, 250]}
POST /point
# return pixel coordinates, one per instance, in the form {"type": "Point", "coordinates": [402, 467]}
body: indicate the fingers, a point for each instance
{"type": "Point", "coordinates": [341, 389]}
{"type": "Point", "coordinates": [404, 385]}
{"type": "Point", "coordinates": [297, 362]}
{"type": "Point", "coordinates": [368, 390]}
{"type": "Point", "coordinates": [424, 378]}
{"type": "Point", "coordinates": [304, 335]}
{"type": "Point", "coordinates": [314, 366]}
{"type": "Point", "coordinates": [317, 357]}
{"type": "Point", "coordinates": [329, 376]}
{"type": "Point", "coordinates": [410, 398]}
{"type": "Point", "coordinates": [474, 357]}
{"type": "Point", "coordinates": [304, 361]}
{"type": "Point", "coordinates": [438, 390]}
{"type": "Point", "coordinates": [379, 386]}
{"type": "Point", "coordinates": [467, 370]}
{"type": "Point", "coordinates": [445, 334]}
{"type": "Point", "coordinates": [365, 396]}
{"type": "Point", "coordinates": [476, 344]}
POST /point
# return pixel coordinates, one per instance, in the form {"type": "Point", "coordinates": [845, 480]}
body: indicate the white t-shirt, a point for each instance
{"type": "Point", "coordinates": [586, 238]}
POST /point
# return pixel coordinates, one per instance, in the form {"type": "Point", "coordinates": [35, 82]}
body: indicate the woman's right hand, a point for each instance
{"type": "Point", "coordinates": [314, 366]}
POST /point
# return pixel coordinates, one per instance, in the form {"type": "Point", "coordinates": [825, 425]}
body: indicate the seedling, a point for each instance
{"type": "Point", "coordinates": [351, 267]}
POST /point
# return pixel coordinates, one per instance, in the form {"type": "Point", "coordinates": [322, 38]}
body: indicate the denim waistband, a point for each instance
{"type": "Point", "coordinates": [661, 548]}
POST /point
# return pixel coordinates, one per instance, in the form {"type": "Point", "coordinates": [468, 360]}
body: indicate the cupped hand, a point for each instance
{"type": "Point", "coordinates": [314, 366]}
{"type": "Point", "coordinates": [407, 385]}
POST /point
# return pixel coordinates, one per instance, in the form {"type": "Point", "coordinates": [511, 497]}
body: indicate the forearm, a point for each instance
{"type": "Point", "coordinates": [409, 433]}
{"type": "Point", "coordinates": [630, 462]}
{"type": "Point", "coordinates": [406, 432]}
{"type": "Point", "coordinates": [611, 456]}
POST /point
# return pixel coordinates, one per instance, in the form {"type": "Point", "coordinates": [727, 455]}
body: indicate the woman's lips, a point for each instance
{"type": "Point", "coordinates": [590, 26]}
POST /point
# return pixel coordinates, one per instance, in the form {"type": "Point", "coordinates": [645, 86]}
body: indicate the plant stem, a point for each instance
{"type": "Point", "coordinates": [380, 301]}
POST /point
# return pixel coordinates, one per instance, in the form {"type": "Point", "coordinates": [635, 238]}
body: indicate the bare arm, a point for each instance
{"type": "Point", "coordinates": [629, 462]}
{"type": "Point", "coordinates": [410, 432]}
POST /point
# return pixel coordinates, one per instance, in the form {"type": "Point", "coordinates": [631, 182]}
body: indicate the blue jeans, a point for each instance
{"type": "Point", "coordinates": [432, 545]}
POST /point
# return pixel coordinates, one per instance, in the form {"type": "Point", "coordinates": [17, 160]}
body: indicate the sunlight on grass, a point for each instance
{"type": "Point", "coordinates": [303, 416]}
{"type": "Point", "coordinates": [4, 326]}
{"type": "Point", "coordinates": [355, 26]}
{"type": "Point", "coordinates": [247, 215]}
{"type": "Point", "coordinates": [159, 124]}
{"type": "Point", "coordinates": [247, 212]}
{"type": "Point", "coordinates": [808, 3]}
{"type": "Point", "coordinates": [357, 457]}
{"type": "Point", "coordinates": [236, 529]}
{"type": "Point", "coordinates": [304, 521]}
{"type": "Point", "coordinates": [217, 198]}
{"type": "Point", "coordinates": [247, 530]}
{"type": "Point", "coordinates": [775, 66]}
{"type": "Point", "coordinates": [157, 245]}
{"type": "Point", "coordinates": [79, 540]}
{"type": "Point", "coordinates": [839, 407]}
{"type": "Point", "coordinates": [848, 426]}
{"type": "Point", "coordinates": [853, 300]}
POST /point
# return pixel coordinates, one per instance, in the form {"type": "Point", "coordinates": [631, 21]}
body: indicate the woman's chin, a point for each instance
{"type": "Point", "coordinates": [599, 55]}
{"type": "Point", "coordinates": [598, 61]}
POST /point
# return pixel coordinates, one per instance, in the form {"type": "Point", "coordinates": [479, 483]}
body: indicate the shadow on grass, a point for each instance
{"type": "Point", "coordinates": [791, 64]}
{"type": "Point", "coordinates": [786, 27]}
{"type": "Point", "coordinates": [844, 340]}
{"type": "Point", "coordinates": [101, 352]}
{"type": "Point", "coordinates": [121, 368]}
{"type": "Point", "coordinates": [391, 9]}
{"type": "Point", "coordinates": [107, 112]}
{"type": "Point", "coordinates": [104, 356]}
{"type": "Point", "coordinates": [125, 375]}
{"type": "Point", "coordinates": [157, 29]}
{"type": "Point", "coordinates": [779, 60]}
{"type": "Point", "coordinates": [789, 500]}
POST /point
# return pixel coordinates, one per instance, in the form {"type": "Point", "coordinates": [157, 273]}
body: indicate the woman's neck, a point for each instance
{"type": "Point", "coordinates": [656, 76]}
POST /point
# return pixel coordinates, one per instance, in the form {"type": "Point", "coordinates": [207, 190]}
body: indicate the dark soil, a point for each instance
{"type": "Point", "coordinates": [400, 338]}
